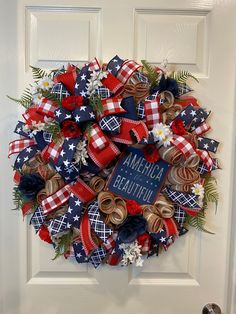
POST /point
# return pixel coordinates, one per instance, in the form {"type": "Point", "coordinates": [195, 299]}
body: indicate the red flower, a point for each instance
{"type": "Point", "coordinates": [71, 102]}
{"type": "Point", "coordinates": [151, 153]}
{"type": "Point", "coordinates": [178, 127]}
{"type": "Point", "coordinates": [44, 234]}
{"type": "Point", "coordinates": [70, 129]}
{"type": "Point", "coordinates": [143, 239]}
{"type": "Point", "coordinates": [133, 207]}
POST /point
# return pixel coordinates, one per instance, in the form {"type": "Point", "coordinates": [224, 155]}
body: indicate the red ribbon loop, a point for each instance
{"type": "Point", "coordinates": [86, 237]}
{"type": "Point", "coordinates": [82, 191]}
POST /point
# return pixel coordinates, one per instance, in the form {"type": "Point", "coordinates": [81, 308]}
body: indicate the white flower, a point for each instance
{"type": "Point", "coordinates": [45, 83]}
{"type": "Point", "coordinates": [198, 190]}
{"type": "Point", "coordinates": [160, 131]}
{"type": "Point", "coordinates": [167, 140]}
{"type": "Point", "coordinates": [37, 98]}
{"type": "Point", "coordinates": [132, 254]}
{"type": "Point", "coordinates": [81, 153]}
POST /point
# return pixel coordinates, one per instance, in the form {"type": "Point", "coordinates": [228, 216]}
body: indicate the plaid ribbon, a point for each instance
{"type": "Point", "coordinates": [126, 70]}
{"type": "Point", "coordinates": [201, 129]}
{"type": "Point", "coordinates": [188, 200]}
{"type": "Point", "coordinates": [58, 225]}
{"type": "Point", "coordinates": [183, 145]}
{"type": "Point", "coordinates": [180, 216]}
{"type": "Point", "coordinates": [111, 106]}
{"type": "Point", "coordinates": [103, 92]}
{"type": "Point", "coordinates": [86, 236]}
{"type": "Point", "coordinates": [38, 218]}
{"type": "Point", "coordinates": [183, 89]}
{"type": "Point", "coordinates": [25, 155]}
{"type": "Point", "coordinates": [96, 222]}
{"type": "Point", "coordinates": [111, 241]}
{"type": "Point", "coordinates": [141, 111]}
{"type": "Point", "coordinates": [114, 65]}
{"type": "Point", "coordinates": [18, 146]}
{"type": "Point", "coordinates": [56, 200]}
{"type": "Point", "coordinates": [97, 139]}
{"type": "Point", "coordinates": [202, 168]}
{"type": "Point", "coordinates": [52, 151]}
{"type": "Point", "coordinates": [152, 113]}
{"type": "Point", "coordinates": [110, 124]}
{"type": "Point", "coordinates": [60, 91]}
{"type": "Point", "coordinates": [94, 65]}
{"type": "Point", "coordinates": [207, 144]}
{"type": "Point", "coordinates": [97, 256]}
{"type": "Point", "coordinates": [206, 158]}
{"type": "Point", "coordinates": [47, 107]}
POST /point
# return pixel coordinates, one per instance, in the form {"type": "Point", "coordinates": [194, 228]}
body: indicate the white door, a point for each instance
{"type": "Point", "coordinates": [196, 35]}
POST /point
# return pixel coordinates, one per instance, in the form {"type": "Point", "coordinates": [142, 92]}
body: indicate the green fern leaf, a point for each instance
{"type": "Point", "coordinates": [96, 103]}
{"type": "Point", "coordinates": [211, 194]}
{"type": "Point", "coordinates": [52, 97]}
{"type": "Point", "coordinates": [38, 73]}
{"type": "Point", "coordinates": [25, 100]}
{"type": "Point", "coordinates": [198, 222]}
{"type": "Point", "coordinates": [63, 244]}
{"type": "Point", "coordinates": [151, 73]}
{"type": "Point", "coordinates": [181, 76]}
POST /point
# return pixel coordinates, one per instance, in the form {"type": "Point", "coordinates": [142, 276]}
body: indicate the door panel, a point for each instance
{"type": "Point", "coordinates": [191, 35]}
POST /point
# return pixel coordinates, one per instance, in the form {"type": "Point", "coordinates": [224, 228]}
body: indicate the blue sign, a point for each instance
{"type": "Point", "coordinates": [137, 179]}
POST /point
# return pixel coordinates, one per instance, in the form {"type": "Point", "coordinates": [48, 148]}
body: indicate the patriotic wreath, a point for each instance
{"type": "Point", "coordinates": [113, 163]}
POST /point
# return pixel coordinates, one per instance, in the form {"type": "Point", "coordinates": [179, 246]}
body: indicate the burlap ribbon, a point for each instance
{"type": "Point", "coordinates": [171, 113]}
{"type": "Point", "coordinates": [167, 99]}
{"type": "Point", "coordinates": [51, 186]}
{"type": "Point", "coordinates": [113, 207]}
{"type": "Point", "coordinates": [171, 155]}
{"type": "Point", "coordinates": [139, 91]}
{"type": "Point", "coordinates": [97, 184]}
{"type": "Point", "coordinates": [155, 214]}
{"type": "Point", "coordinates": [183, 175]}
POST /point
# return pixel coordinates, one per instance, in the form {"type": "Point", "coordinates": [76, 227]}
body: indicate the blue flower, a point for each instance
{"type": "Point", "coordinates": [132, 228]}
{"type": "Point", "coordinates": [167, 84]}
{"type": "Point", "coordinates": [30, 185]}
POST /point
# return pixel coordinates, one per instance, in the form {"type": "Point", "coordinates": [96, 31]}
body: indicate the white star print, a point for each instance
{"type": "Point", "coordinates": [18, 159]}
{"type": "Point", "coordinates": [58, 113]}
{"type": "Point", "coordinates": [162, 239]}
{"type": "Point", "coordinates": [66, 162]}
{"type": "Point", "coordinates": [29, 149]}
{"type": "Point", "coordinates": [18, 130]}
{"type": "Point", "coordinates": [71, 146]}
{"type": "Point", "coordinates": [117, 67]}
{"type": "Point", "coordinates": [77, 203]}
{"type": "Point", "coordinates": [206, 146]}
{"type": "Point", "coordinates": [183, 113]}
{"type": "Point", "coordinates": [77, 118]}
{"type": "Point", "coordinates": [193, 113]}
{"type": "Point", "coordinates": [26, 158]}
{"type": "Point", "coordinates": [212, 141]}
{"type": "Point", "coordinates": [76, 218]}
{"type": "Point", "coordinates": [79, 255]}
{"type": "Point", "coordinates": [68, 225]}
{"type": "Point", "coordinates": [69, 170]}
{"type": "Point", "coordinates": [199, 139]}
{"type": "Point", "coordinates": [69, 210]}
{"type": "Point", "coordinates": [58, 169]}
{"type": "Point", "coordinates": [83, 77]}
{"type": "Point", "coordinates": [83, 93]}
{"type": "Point", "coordinates": [76, 85]}
{"type": "Point", "coordinates": [82, 108]}
{"type": "Point", "coordinates": [62, 153]}
{"type": "Point", "coordinates": [68, 116]}
{"type": "Point", "coordinates": [92, 115]}
{"type": "Point", "coordinates": [115, 60]}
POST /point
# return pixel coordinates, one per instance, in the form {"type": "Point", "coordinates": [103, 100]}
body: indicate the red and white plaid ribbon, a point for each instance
{"type": "Point", "coordinates": [52, 151]}
{"type": "Point", "coordinates": [98, 139]}
{"type": "Point", "coordinates": [47, 107]}
{"type": "Point", "coordinates": [86, 236]}
{"type": "Point", "coordinates": [152, 113]}
{"type": "Point", "coordinates": [206, 158]}
{"type": "Point", "coordinates": [201, 129]}
{"type": "Point", "coordinates": [183, 145]}
{"type": "Point", "coordinates": [56, 200]}
{"type": "Point", "coordinates": [128, 128]}
{"type": "Point", "coordinates": [18, 145]}
{"type": "Point", "coordinates": [111, 106]}
{"type": "Point", "coordinates": [111, 241]}
{"type": "Point", "coordinates": [94, 65]}
{"type": "Point", "coordinates": [82, 191]}
{"type": "Point", "coordinates": [126, 70]}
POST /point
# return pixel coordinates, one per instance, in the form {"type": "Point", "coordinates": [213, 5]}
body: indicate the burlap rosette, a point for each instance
{"type": "Point", "coordinates": [51, 187]}
{"type": "Point", "coordinates": [155, 214]}
{"type": "Point", "coordinates": [139, 90]}
{"type": "Point", "coordinates": [97, 184]}
{"type": "Point", "coordinates": [171, 154]}
{"type": "Point", "coordinates": [113, 208]}
{"type": "Point", "coordinates": [182, 178]}
{"type": "Point", "coordinates": [171, 113]}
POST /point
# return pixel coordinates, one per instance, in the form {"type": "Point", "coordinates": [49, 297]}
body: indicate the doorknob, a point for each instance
{"type": "Point", "coordinates": [211, 308]}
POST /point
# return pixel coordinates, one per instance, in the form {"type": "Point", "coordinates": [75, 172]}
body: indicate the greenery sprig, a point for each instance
{"type": "Point", "coordinates": [63, 244]}
{"type": "Point", "coordinates": [150, 72]}
{"type": "Point", "coordinates": [25, 100]}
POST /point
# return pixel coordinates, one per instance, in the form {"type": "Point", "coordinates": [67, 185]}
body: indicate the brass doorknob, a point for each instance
{"type": "Point", "coordinates": [211, 308]}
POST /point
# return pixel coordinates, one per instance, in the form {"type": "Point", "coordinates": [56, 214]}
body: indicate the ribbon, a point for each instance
{"type": "Point", "coordinates": [25, 155]}
{"type": "Point", "coordinates": [113, 207]}
{"type": "Point", "coordinates": [183, 176]}
{"type": "Point", "coordinates": [206, 158]}
{"type": "Point", "coordinates": [60, 91]}
{"type": "Point", "coordinates": [152, 113]}
{"type": "Point", "coordinates": [207, 144]}
{"type": "Point", "coordinates": [111, 106]}
{"type": "Point", "coordinates": [57, 225]}
{"type": "Point", "coordinates": [112, 83]}
{"type": "Point", "coordinates": [47, 107]}
{"type": "Point", "coordinates": [52, 151]}
{"type": "Point", "coordinates": [38, 218]}
{"type": "Point", "coordinates": [86, 236]}
{"type": "Point", "coordinates": [68, 79]}
{"type": "Point", "coordinates": [97, 184]}
{"type": "Point", "coordinates": [56, 200]}
{"type": "Point", "coordinates": [74, 211]}
{"type": "Point", "coordinates": [126, 71]}
{"type": "Point", "coordinates": [139, 90]}
{"type": "Point", "coordinates": [131, 132]}
{"type": "Point", "coordinates": [82, 191]}
{"type": "Point", "coordinates": [110, 124]}
{"type": "Point", "coordinates": [159, 215]}
{"type": "Point", "coordinates": [18, 146]}
{"type": "Point", "coordinates": [201, 129]}
{"type": "Point", "coordinates": [114, 65]}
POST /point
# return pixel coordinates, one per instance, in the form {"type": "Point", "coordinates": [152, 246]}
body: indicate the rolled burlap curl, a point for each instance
{"type": "Point", "coordinates": [54, 184]}
{"type": "Point", "coordinates": [192, 161]}
{"type": "Point", "coordinates": [192, 138]}
{"type": "Point", "coordinates": [171, 154]}
{"type": "Point", "coordinates": [106, 202]}
{"type": "Point", "coordinates": [138, 90]}
{"type": "Point", "coordinates": [154, 214]}
{"type": "Point", "coordinates": [97, 184]}
{"type": "Point", "coordinates": [120, 212]}
{"type": "Point", "coordinates": [183, 176]}
{"type": "Point", "coordinates": [168, 100]}
{"type": "Point", "coordinates": [41, 196]}
{"type": "Point", "coordinates": [32, 165]}
{"type": "Point", "coordinates": [171, 113]}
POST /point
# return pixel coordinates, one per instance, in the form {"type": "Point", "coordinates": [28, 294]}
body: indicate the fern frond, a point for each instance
{"type": "Point", "coordinates": [63, 244]}
{"type": "Point", "coordinates": [54, 129]}
{"type": "Point", "coordinates": [38, 73]}
{"type": "Point", "coordinates": [96, 103]}
{"type": "Point", "coordinates": [198, 221]}
{"type": "Point", "coordinates": [181, 76]}
{"type": "Point", "coordinates": [150, 72]}
{"type": "Point", "coordinates": [25, 100]}
{"type": "Point", "coordinates": [17, 199]}
{"type": "Point", "coordinates": [211, 194]}
{"type": "Point", "coordinates": [52, 97]}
